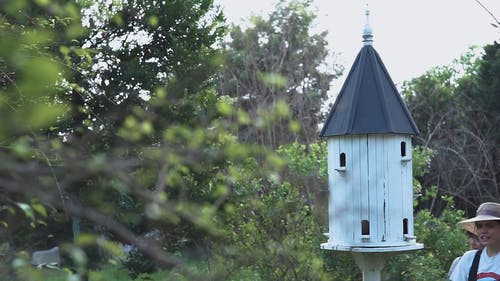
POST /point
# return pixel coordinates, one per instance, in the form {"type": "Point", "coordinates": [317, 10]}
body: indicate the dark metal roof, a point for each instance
{"type": "Point", "coordinates": [368, 102]}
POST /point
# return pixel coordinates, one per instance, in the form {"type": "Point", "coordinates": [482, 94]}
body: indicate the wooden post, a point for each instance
{"type": "Point", "coordinates": [371, 265]}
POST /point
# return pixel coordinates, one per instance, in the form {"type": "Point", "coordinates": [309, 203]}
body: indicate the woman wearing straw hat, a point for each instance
{"type": "Point", "coordinates": [482, 265]}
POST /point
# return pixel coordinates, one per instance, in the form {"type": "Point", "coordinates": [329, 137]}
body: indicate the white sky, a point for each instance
{"type": "Point", "coordinates": [411, 36]}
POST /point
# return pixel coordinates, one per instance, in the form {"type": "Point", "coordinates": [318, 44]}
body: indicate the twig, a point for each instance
{"type": "Point", "coordinates": [489, 12]}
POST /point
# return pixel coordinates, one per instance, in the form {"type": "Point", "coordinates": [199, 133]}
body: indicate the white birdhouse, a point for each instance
{"type": "Point", "coordinates": [369, 131]}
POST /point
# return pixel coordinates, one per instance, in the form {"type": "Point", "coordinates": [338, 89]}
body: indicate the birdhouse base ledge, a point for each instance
{"type": "Point", "coordinates": [344, 248]}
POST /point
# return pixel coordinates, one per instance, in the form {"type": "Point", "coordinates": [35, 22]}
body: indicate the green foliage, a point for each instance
{"type": "Point", "coordinates": [137, 263]}
{"type": "Point", "coordinates": [30, 67]}
{"type": "Point", "coordinates": [341, 266]}
{"type": "Point", "coordinates": [30, 71]}
{"type": "Point", "coordinates": [443, 239]}
{"type": "Point", "coordinates": [305, 160]}
{"type": "Point", "coordinates": [91, 119]}
{"type": "Point", "coordinates": [156, 56]}
{"type": "Point", "coordinates": [307, 169]}
{"type": "Point", "coordinates": [110, 273]}
{"type": "Point", "coordinates": [129, 141]}
{"type": "Point", "coordinates": [488, 82]}
{"type": "Point", "coordinates": [455, 108]}
{"type": "Point", "coordinates": [273, 231]}
{"type": "Point", "coordinates": [421, 159]}
{"type": "Point", "coordinates": [427, 96]}
{"type": "Point", "coordinates": [416, 267]}
{"type": "Point", "coordinates": [279, 60]}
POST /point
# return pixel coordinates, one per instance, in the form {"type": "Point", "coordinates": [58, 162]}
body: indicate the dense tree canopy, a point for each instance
{"type": "Point", "coordinates": [132, 141]}
{"type": "Point", "coordinates": [457, 113]}
{"type": "Point", "coordinates": [279, 61]}
{"type": "Point", "coordinates": [95, 149]}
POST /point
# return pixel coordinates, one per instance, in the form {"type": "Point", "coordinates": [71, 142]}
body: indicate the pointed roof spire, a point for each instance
{"type": "Point", "coordinates": [367, 31]}
{"type": "Point", "coordinates": [368, 102]}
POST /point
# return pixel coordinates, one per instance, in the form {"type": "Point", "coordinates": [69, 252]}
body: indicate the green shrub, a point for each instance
{"type": "Point", "coordinates": [443, 239]}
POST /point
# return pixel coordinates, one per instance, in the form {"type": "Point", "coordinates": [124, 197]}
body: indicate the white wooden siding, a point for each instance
{"type": "Point", "coordinates": [376, 186]}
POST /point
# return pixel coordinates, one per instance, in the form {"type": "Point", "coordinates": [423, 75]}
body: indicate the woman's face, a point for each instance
{"type": "Point", "coordinates": [488, 233]}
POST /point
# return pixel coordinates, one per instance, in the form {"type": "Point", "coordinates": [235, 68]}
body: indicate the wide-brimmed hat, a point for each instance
{"type": "Point", "coordinates": [486, 212]}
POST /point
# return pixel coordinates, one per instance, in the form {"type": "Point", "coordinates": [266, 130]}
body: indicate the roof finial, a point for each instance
{"type": "Point", "coordinates": [367, 31]}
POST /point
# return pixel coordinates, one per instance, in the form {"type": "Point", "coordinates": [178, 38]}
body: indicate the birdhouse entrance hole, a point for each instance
{"type": "Point", "coordinates": [342, 159]}
{"type": "Point", "coordinates": [365, 227]}
{"type": "Point", "coordinates": [403, 149]}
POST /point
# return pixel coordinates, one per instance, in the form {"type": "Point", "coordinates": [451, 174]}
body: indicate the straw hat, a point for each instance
{"type": "Point", "coordinates": [486, 212]}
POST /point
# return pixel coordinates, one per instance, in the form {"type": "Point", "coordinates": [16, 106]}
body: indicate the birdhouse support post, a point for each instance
{"type": "Point", "coordinates": [371, 265]}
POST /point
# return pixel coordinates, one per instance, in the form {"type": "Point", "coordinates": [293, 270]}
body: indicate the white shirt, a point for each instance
{"type": "Point", "coordinates": [488, 269]}
{"type": "Point", "coordinates": [453, 266]}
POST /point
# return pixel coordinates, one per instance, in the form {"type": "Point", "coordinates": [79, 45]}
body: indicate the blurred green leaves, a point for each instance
{"type": "Point", "coordinates": [272, 79]}
{"type": "Point", "coordinates": [30, 68]}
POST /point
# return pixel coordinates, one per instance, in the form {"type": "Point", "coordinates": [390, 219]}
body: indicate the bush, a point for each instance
{"type": "Point", "coordinates": [443, 239]}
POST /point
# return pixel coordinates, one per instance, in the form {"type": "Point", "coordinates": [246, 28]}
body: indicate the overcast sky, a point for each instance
{"type": "Point", "coordinates": [411, 36]}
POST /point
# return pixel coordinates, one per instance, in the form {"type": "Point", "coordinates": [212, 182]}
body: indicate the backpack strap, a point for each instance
{"type": "Point", "coordinates": [474, 266]}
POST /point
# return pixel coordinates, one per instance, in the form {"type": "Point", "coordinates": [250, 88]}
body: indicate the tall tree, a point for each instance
{"type": "Point", "coordinates": [33, 34]}
{"type": "Point", "coordinates": [480, 100]}
{"type": "Point", "coordinates": [454, 107]}
{"type": "Point", "coordinates": [278, 61]}
{"type": "Point", "coordinates": [147, 95]}
{"type": "Point", "coordinates": [142, 46]}
{"type": "Point", "coordinates": [166, 163]}
{"type": "Point", "coordinates": [133, 152]}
